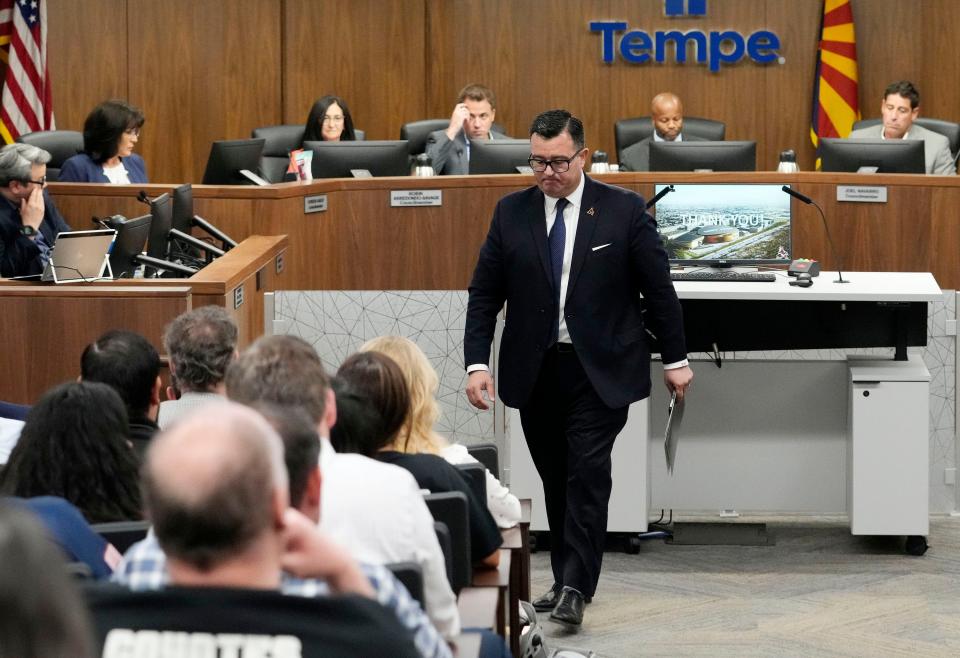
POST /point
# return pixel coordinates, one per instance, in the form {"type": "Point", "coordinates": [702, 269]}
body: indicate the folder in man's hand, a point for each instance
{"type": "Point", "coordinates": [671, 434]}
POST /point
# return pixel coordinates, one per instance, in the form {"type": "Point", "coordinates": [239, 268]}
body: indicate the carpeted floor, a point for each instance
{"type": "Point", "coordinates": [817, 592]}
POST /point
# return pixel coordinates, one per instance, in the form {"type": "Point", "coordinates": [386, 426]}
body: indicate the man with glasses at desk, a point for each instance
{"type": "Point", "coordinates": [570, 257]}
{"type": "Point", "coordinates": [29, 220]}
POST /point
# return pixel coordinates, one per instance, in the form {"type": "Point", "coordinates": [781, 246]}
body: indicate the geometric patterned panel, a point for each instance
{"type": "Point", "coordinates": [337, 323]}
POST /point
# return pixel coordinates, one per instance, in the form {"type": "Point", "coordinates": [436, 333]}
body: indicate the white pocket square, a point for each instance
{"type": "Point", "coordinates": [602, 246]}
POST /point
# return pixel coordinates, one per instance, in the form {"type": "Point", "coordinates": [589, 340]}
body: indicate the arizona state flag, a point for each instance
{"type": "Point", "coordinates": [835, 105]}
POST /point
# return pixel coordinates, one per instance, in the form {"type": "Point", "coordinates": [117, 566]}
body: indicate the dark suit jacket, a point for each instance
{"type": "Point", "coordinates": [19, 255]}
{"type": "Point", "coordinates": [636, 157]}
{"type": "Point", "coordinates": [449, 158]}
{"type": "Point", "coordinates": [617, 255]}
{"type": "Point", "coordinates": [82, 169]}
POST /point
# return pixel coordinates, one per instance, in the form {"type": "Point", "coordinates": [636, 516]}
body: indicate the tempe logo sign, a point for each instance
{"type": "Point", "coordinates": [714, 49]}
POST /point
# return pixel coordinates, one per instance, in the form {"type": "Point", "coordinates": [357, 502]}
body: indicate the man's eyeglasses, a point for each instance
{"type": "Point", "coordinates": [559, 165]}
{"type": "Point", "coordinates": [335, 119]}
{"type": "Point", "coordinates": [41, 182]}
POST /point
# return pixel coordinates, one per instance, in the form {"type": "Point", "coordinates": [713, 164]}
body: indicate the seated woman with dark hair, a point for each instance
{"type": "Point", "coordinates": [109, 135]}
{"type": "Point", "coordinates": [329, 121]}
{"type": "Point", "coordinates": [395, 524]}
{"type": "Point", "coordinates": [74, 445]}
{"type": "Point", "coordinates": [380, 379]}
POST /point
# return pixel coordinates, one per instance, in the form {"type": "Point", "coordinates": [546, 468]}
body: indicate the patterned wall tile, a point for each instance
{"type": "Point", "coordinates": [337, 323]}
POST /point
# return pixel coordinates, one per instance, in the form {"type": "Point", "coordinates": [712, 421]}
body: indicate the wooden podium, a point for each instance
{"type": "Point", "coordinates": [46, 327]}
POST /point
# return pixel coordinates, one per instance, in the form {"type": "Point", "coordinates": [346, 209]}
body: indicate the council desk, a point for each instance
{"type": "Point", "coordinates": [360, 241]}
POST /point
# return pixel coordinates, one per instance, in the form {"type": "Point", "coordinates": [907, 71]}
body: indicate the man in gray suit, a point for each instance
{"type": "Point", "coordinates": [472, 119]}
{"type": "Point", "coordinates": [899, 109]}
{"type": "Point", "coordinates": [666, 110]}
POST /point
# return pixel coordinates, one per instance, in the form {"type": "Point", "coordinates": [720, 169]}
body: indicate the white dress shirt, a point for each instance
{"type": "Point", "coordinates": [377, 512]}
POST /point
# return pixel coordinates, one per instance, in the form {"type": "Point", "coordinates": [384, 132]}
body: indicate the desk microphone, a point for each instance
{"type": "Point", "coordinates": [662, 193]}
{"type": "Point", "coordinates": [810, 202]}
{"type": "Point", "coordinates": [143, 198]}
{"type": "Point", "coordinates": [102, 222]}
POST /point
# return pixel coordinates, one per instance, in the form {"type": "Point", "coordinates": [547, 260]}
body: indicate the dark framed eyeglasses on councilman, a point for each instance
{"type": "Point", "coordinates": [41, 182]}
{"type": "Point", "coordinates": [559, 165]}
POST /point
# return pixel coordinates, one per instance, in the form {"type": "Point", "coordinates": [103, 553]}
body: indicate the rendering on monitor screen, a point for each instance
{"type": "Point", "coordinates": [725, 224]}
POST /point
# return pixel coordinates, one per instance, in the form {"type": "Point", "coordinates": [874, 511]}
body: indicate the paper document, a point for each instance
{"type": "Point", "coordinates": [671, 434]}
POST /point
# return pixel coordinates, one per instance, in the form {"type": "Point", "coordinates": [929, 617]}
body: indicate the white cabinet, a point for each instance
{"type": "Point", "coordinates": [888, 480]}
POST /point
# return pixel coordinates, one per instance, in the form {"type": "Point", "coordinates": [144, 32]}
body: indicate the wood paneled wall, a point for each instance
{"type": "Point", "coordinates": [216, 69]}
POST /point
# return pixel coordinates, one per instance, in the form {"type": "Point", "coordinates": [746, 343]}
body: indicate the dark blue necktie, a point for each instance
{"type": "Point", "coordinates": [556, 241]}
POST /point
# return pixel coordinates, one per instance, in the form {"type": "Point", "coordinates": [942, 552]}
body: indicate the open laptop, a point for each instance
{"type": "Point", "coordinates": [79, 256]}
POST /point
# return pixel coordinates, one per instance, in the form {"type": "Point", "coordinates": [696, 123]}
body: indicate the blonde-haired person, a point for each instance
{"type": "Point", "coordinates": [417, 433]}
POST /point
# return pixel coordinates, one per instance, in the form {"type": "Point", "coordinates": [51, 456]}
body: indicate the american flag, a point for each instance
{"type": "Point", "coordinates": [26, 104]}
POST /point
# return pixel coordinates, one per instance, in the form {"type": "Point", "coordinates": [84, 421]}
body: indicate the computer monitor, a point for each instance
{"type": "Point", "coordinates": [183, 208]}
{"type": "Point", "coordinates": [889, 156]}
{"type": "Point", "coordinates": [183, 247]}
{"type": "Point", "coordinates": [718, 225]}
{"type": "Point", "coordinates": [499, 156]}
{"type": "Point", "coordinates": [131, 237]}
{"type": "Point", "coordinates": [228, 157]}
{"type": "Point", "coordinates": [714, 156]}
{"type": "Point", "coordinates": [380, 157]}
{"type": "Point", "coordinates": [161, 210]}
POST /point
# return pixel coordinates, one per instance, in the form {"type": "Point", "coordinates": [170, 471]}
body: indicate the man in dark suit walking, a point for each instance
{"type": "Point", "coordinates": [570, 258]}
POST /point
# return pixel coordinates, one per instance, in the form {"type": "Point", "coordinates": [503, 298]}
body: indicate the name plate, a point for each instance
{"type": "Point", "coordinates": [314, 203]}
{"type": "Point", "coordinates": [408, 198]}
{"type": "Point", "coordinates": [860, 194]}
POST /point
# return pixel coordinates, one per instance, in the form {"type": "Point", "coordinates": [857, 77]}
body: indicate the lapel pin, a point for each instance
{"type": "Point", "coordinates": [590, 211]}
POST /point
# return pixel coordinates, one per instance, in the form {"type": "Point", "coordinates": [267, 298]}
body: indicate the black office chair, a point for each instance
{"type": "Point", "coordinates": [476, 477]}
{"type": "Point", "coordinates": [450, 508]}
{"type": "Point", "coordinates": [122, 534]}
{"type": "Point", "coordinates": [446, 547]}
{"type": "Point", "coordinates": [411, 575]}
{"type": "Point", "coordinates": [627, 132]}
{"type": "Point", "coordinates": [487, 454]}
{"type": "Point", "coordinates": [280, 140]}
{"type": "Point", "coordinates": [949, 129]}
{"type": "Point", "coordinates": [416, 133]}
{"type": "Point", "coordinates": [60, 144]}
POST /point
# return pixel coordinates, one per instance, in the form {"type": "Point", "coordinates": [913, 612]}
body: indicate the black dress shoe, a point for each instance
{"type": "Point", "coordinates": [548, 601]}
{"type": "Point", "coordinates": [569, 610]}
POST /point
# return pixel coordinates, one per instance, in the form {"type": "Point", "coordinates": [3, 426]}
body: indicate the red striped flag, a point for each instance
{"type": "Point", "coordinates": [26, 104]}
{"type": "Point", "coordinates": [835, 103]}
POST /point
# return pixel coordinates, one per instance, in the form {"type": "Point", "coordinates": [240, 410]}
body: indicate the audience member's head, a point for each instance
{"type": "Point", "coordinates": [111, 130]}
{"type": "Point", "coordinates": [301, 455]}
{"type": "Point", "coordinates": [22, 167]}
{"type": "Point", "coordinates": [373, 403]}
{"type": "Point", "coordinates": [201, 344]}
{"type": "Point", "coordinates": [41, 613]}
{"type": "Point", "coordinates": [215, 489]}
{"type": "Point", "coordinates": [127, 362]}
{"type": "Point", "coordinates": [422, 382]}
{"type": "Point", "coordinates": [284, 371]}
{"type": "Point", "coordinates": [329, 121]}
{"type": "Point", "coordinates": [666, 110]}
{"type": "Point", "coordinates": [899, 109]}
{"type": "Point", "coordinates": [74, 445]}
{"type": "Point", "coordinates": [482, 106]}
